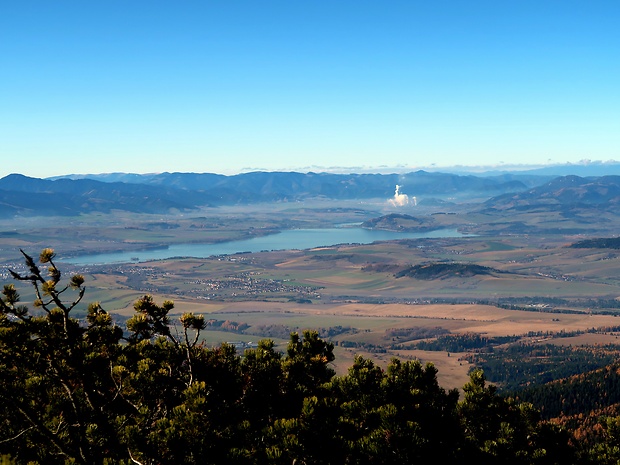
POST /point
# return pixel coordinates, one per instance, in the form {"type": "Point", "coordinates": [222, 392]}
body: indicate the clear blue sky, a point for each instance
{"type": "Point", "coordinates": [224, 86]}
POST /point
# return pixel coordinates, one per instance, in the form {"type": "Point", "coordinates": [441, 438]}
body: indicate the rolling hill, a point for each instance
{"type": "Point", "coordinates": [566, 191]}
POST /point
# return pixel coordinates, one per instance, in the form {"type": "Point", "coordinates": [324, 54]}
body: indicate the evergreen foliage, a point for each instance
{"type": "Point", "coordinates": [530, 368]}
{"type": "Point", "coordinates": [578, 394]}
{"type": "Point", "coordinates": [462, 342]}
{"type": "Point", "coordinates": [599, 243]}
{"type": "Point", "coordinates": [86, 392]}
{"type": "Point", "coordinates": [445, 270]}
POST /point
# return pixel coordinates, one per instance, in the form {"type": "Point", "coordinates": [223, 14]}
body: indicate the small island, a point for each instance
{"type": "Point", "coordinates": [402, 223]}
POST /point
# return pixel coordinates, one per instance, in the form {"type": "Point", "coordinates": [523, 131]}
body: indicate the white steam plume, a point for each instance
{"type": "Point", "coordinates": [399, 200]}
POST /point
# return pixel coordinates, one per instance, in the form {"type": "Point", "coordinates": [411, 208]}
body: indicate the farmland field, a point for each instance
{"type": "Point", "coordinates": [494, 285]}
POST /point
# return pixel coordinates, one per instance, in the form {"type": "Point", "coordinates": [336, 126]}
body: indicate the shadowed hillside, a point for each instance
{"type": "Point", "coordinates": [567, 191]}
{"type": "Point", "coordinates": [601, 243]}
{"type": "Point", "coordinates": [430, 271]}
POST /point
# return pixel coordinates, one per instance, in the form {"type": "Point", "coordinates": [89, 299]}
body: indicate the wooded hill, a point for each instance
{"type": "Point", "coordinates": [436, 270]}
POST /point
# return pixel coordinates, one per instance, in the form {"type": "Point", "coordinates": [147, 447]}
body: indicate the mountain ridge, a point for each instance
{"type": "Point", "coordinates": [168, 192]}
{"type": "Point", "coordinates": [158, 193]}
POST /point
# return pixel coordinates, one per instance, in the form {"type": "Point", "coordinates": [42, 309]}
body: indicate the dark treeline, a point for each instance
{"type": "Point", "coordinates": [600, 243]}
{"type": "Point", "coordinates": [413, 333]}
{"type": "Point", "coordinates": [578, 394]}
{"type": "Point", "coordinates": [463, 342]}
{"type": "Point", "coordinates": [152, 394]}
{"type": "Point", "coordinates": [523, 365]}
{"type": "Point", "coordinates": [284, 331]}
{"type": "Point", "coordinates": [600, 306]}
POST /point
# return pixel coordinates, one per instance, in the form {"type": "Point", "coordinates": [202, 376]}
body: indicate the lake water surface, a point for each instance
{"type": "Point", "coordinates": [285, 240]}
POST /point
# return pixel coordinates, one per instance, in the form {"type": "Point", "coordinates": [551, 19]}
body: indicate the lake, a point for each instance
{"type": "Point", "coordinates": [285, 240]}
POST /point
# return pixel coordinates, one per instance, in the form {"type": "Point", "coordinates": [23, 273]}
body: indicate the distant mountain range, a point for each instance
{"type": "Point", "coordinates": [585, 168]}
{"type": "Point", "coordinates": [22, 195]}
{"type": "Point", "coordinates": [156, 193]}
{"type": "Point", "coordinates": [267, 186]}
{"type": "Point", "coordinates": [169, 192]}
{"type": "Point", "coordinates": [588, 169]}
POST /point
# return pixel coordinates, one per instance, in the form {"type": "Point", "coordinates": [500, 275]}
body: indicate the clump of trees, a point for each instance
{"type": "Point", "coordinates": [416, 332]}
{"type": "Point", "coordinates": [91, 392]}
{"type": "Point", "coordinates": [463, 342]}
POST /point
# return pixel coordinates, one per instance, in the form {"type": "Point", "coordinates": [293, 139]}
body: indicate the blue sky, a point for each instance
{"type": "Point", "coordinates": [227, 86]}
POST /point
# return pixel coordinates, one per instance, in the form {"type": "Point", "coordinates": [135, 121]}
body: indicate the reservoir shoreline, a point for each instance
{"type": "Point", "coordinates": [295, 239]}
